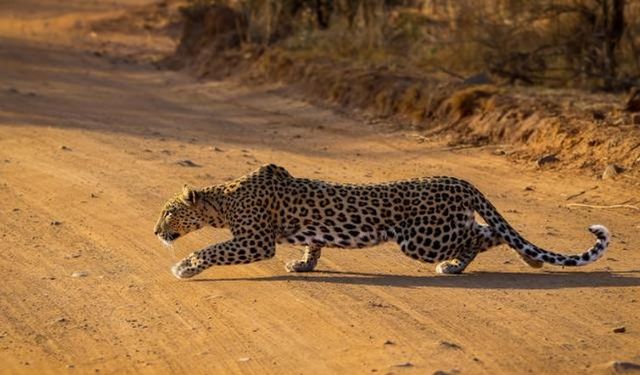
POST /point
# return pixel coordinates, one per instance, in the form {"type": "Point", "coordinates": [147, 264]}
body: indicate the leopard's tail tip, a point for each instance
{"type": "Point", "coordinates": [601, 232]}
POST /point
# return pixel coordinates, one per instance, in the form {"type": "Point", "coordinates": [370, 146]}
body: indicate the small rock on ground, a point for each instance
{"type": "Point", "coordinates": [547, 159]}
{"type": "Point", "coordinates": [80, 274]}
{"type": "Point", "coordinates": [449, 345]}
{"type": "Point", "coordinates": [404, 364]}
{"type": "Point", "coordinates": [187, 163]}
{"type": "Point", "coordinates": [624, 367]}
{"type": "Point", "coordinates": [611, 170]}
{"type": "Point", "coordinates": [621, 329]}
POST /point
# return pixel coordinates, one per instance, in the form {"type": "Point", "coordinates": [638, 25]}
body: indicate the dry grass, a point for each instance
{"type": "Point", "coordinates": [466, 102]}
{"type": "Point", "coordinates": [556, 43]}
{"type": "Point", "coordinates": [365, 68]}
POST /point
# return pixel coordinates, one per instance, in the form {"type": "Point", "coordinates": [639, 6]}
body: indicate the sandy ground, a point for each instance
{"type": "Point", "coordinates": [88, 153]}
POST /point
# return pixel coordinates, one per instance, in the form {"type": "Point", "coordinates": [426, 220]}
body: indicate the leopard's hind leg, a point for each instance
{"type": "Point", "coordinates": [481, 239]}
{"type": "Point", "coordinates": [458, 264]}
{"type": "Point", "coordinates": [307, 263]}
{"type": "Point", "coordinates": [491, 239]}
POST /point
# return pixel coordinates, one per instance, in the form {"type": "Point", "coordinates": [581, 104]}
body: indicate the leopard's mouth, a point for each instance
{"type": "Point", "coordinates": [168, 238]}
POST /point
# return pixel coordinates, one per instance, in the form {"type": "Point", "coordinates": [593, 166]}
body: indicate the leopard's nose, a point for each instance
{"type": "Point", "coordinates": [157, 229]}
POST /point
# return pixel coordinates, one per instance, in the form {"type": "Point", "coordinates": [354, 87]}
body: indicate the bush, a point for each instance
{"type": "Point", "coordinates": [558, 43]}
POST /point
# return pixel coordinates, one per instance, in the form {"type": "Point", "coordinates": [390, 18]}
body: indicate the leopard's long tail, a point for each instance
{"type": "Point", "coordinates": [498, 223]}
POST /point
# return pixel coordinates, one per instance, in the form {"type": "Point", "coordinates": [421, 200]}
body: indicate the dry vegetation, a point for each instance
{"type": "Point", "coordinates": [547, 77]}
{"type": "Point", "coordinates": [559, 43]}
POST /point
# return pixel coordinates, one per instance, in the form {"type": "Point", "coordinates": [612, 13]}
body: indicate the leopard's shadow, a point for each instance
{"type": "Point", "coordinates": [471, 280]}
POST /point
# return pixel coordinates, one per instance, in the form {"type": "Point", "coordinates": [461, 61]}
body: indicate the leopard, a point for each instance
{"type": "Point", "coordinates": [432, 219]}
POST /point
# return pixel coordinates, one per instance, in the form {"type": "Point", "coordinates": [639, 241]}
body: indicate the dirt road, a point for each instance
{"type": "Point", "coordinates": [89, 150]}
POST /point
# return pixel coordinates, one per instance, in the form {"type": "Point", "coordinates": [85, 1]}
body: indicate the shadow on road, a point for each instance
{"type": "Point", "coordinates": [473, 280]}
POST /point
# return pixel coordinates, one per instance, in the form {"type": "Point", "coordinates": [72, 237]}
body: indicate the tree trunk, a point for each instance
{"type": "Point", "coordinates": [613, 17]}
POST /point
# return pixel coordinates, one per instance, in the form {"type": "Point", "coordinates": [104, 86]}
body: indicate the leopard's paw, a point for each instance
{"type": "Point", "coordinates": [449, 268]}
{"type": "Point", "coordinates": [299, 266]}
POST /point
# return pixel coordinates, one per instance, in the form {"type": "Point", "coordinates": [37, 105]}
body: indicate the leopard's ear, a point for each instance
{"type": "Point", "coordinates": [191, 195]}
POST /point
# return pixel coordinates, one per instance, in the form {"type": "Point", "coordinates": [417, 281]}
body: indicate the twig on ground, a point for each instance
{"type": "Point", "coordinates": [464, 147]}
{"type": "Point", "coordinates": [575, 195]}
{"type": "Point", "coordinates": [570, 197]}
{"type": "Point", "coordinates": [604, 207]}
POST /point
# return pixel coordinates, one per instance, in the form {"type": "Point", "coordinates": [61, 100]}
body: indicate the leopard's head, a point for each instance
{"type": "Point", "coordinates": [183, 213]}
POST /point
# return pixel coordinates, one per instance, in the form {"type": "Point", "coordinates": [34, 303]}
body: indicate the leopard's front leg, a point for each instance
{"type": "Point", "coordinates": [235, 251]}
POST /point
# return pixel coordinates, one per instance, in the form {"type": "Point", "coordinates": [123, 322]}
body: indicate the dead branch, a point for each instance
{"type": "Point", "coordinates": [571, 205]}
